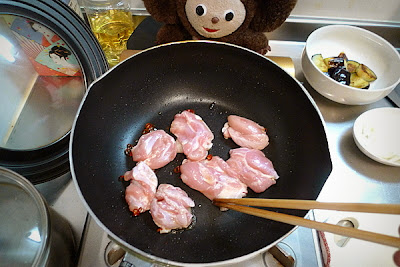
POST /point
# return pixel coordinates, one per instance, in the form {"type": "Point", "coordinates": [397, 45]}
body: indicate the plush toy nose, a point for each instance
{"type": "Point", "coordinates": [214, 20]}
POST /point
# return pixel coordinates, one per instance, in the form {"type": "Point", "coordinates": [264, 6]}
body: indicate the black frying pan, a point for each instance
{"type": "Point", "coordinates": [215, 80]}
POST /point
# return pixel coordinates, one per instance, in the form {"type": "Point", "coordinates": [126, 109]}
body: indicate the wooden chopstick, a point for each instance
{"type": "Point", "coordinates": [311, 204]}
{"type": "Point", "coordinates": [325, 227]}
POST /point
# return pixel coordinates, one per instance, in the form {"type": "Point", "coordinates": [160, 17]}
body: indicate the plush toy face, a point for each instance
{"type": "Point", "coordinates": [214, 18]}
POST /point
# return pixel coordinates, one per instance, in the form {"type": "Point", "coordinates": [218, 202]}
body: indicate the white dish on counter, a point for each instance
{"type": "Point", "coordinates": [376, 132]}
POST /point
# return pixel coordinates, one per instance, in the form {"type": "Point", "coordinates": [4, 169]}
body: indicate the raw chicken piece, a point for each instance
{"type": "Point", "coordinates": [245, 132]}
{"type": "Point", "coordinates": [171, 208]}
{"type": "Point", "coordinates": [142, 188]}
{"type": "Point", "coordinates": [212, 178]}
{"type": "Point", "coordinates": [156, 149]}
{"type": "Point", "coordinates": [253, 167]}
{"type": "Point", "coordinates": [193, 134]}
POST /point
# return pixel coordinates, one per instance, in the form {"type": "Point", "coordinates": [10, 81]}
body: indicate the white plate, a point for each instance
{"type": "Point", "coordinates": [377, 134]}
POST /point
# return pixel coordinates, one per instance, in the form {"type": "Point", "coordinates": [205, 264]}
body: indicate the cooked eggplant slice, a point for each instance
{"type": "Point", "coordinates": [335, 62]}
{"type": "Point", "coordinates": [326, 60]}
{"type": "Point", "coordinates": [352, 66]}
{"type": "Point", "coordinates": [366, 73]}
{"type": "Point", "coordinates": [344, 71]}
{"type": "Point", "coordinates": [358, 82]}
{"type": "Point", "coordinates": [340, 75]}
{"type": "Point", "coordinates": [343, 55]}
{"type": "Point", "coordinates": [319, 62]}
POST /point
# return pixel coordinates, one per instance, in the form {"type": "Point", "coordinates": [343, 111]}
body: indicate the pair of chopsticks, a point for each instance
{"type": "Point", "coordinates": [237, 204]}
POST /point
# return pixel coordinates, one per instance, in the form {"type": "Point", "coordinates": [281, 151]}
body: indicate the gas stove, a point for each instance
{"type": "Point", "coordinates": [300, 248]}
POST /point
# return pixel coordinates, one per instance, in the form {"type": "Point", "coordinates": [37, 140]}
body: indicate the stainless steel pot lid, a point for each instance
{"type": "Point", "coordinates": [48, 58]}
{"type": "Point", "coordinates": [24, 224]}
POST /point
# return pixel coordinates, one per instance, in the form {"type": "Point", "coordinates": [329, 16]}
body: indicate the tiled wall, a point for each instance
{"type": "Point", "coordinates": [383, 10]}
{"type": "Point", "coordinates": [375, 10]}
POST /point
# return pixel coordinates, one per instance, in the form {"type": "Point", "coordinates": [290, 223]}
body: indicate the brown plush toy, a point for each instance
{"type": "Point", "coordinates": [240, 22]}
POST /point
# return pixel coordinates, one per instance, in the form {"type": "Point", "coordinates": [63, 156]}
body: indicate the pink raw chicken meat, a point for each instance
{"type": "Point", "coordinates": [253, 167]}
{"type": "Point", "coordinates": [171, 208]}
{"type": "Point", "coordinates": [156, 149]}
{"type": "Point", "coordinates": [213, 178]}
{"type": "Point", "coordinates": [142, 188]}
{"type": "Point", "coordinates": [193, 135]}
{"type": "Point", "coordinates": [245, 132]}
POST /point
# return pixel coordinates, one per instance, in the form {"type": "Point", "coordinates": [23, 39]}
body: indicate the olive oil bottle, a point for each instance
{"type": "Point", "coordinates": [112, 23]}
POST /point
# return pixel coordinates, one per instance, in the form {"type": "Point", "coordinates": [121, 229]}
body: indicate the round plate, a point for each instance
{"type": "Point", "coordinates": [377, 134]}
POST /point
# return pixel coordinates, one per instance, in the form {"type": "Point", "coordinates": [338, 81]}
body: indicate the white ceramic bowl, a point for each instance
{"type": "Point", "coordinates": [360, 45]}
{"type": "Point", "coordinates": [376, 132]}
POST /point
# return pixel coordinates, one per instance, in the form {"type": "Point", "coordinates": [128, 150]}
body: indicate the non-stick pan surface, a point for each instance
{"type": "Point", "coordinates": [215, 80]}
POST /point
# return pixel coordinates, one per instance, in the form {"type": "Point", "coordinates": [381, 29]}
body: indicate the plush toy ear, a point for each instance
{"type": "Point", "coordinates": [162, 10]}
{"type": "Point", "coordinates": [270, 14]}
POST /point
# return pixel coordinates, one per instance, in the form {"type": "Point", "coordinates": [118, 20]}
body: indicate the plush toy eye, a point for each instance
{"type": "Point", "coordinates": [201, 10]}
{"type": "Point", "coordinates": [229, 15]}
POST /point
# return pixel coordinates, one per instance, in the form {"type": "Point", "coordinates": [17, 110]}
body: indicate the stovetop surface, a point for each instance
{"type": "Point", "coordinates": [301, 244]}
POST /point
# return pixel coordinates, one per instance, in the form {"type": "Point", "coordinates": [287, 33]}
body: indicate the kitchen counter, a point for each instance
{"type": "Point", "coordinates": [354, 178]}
